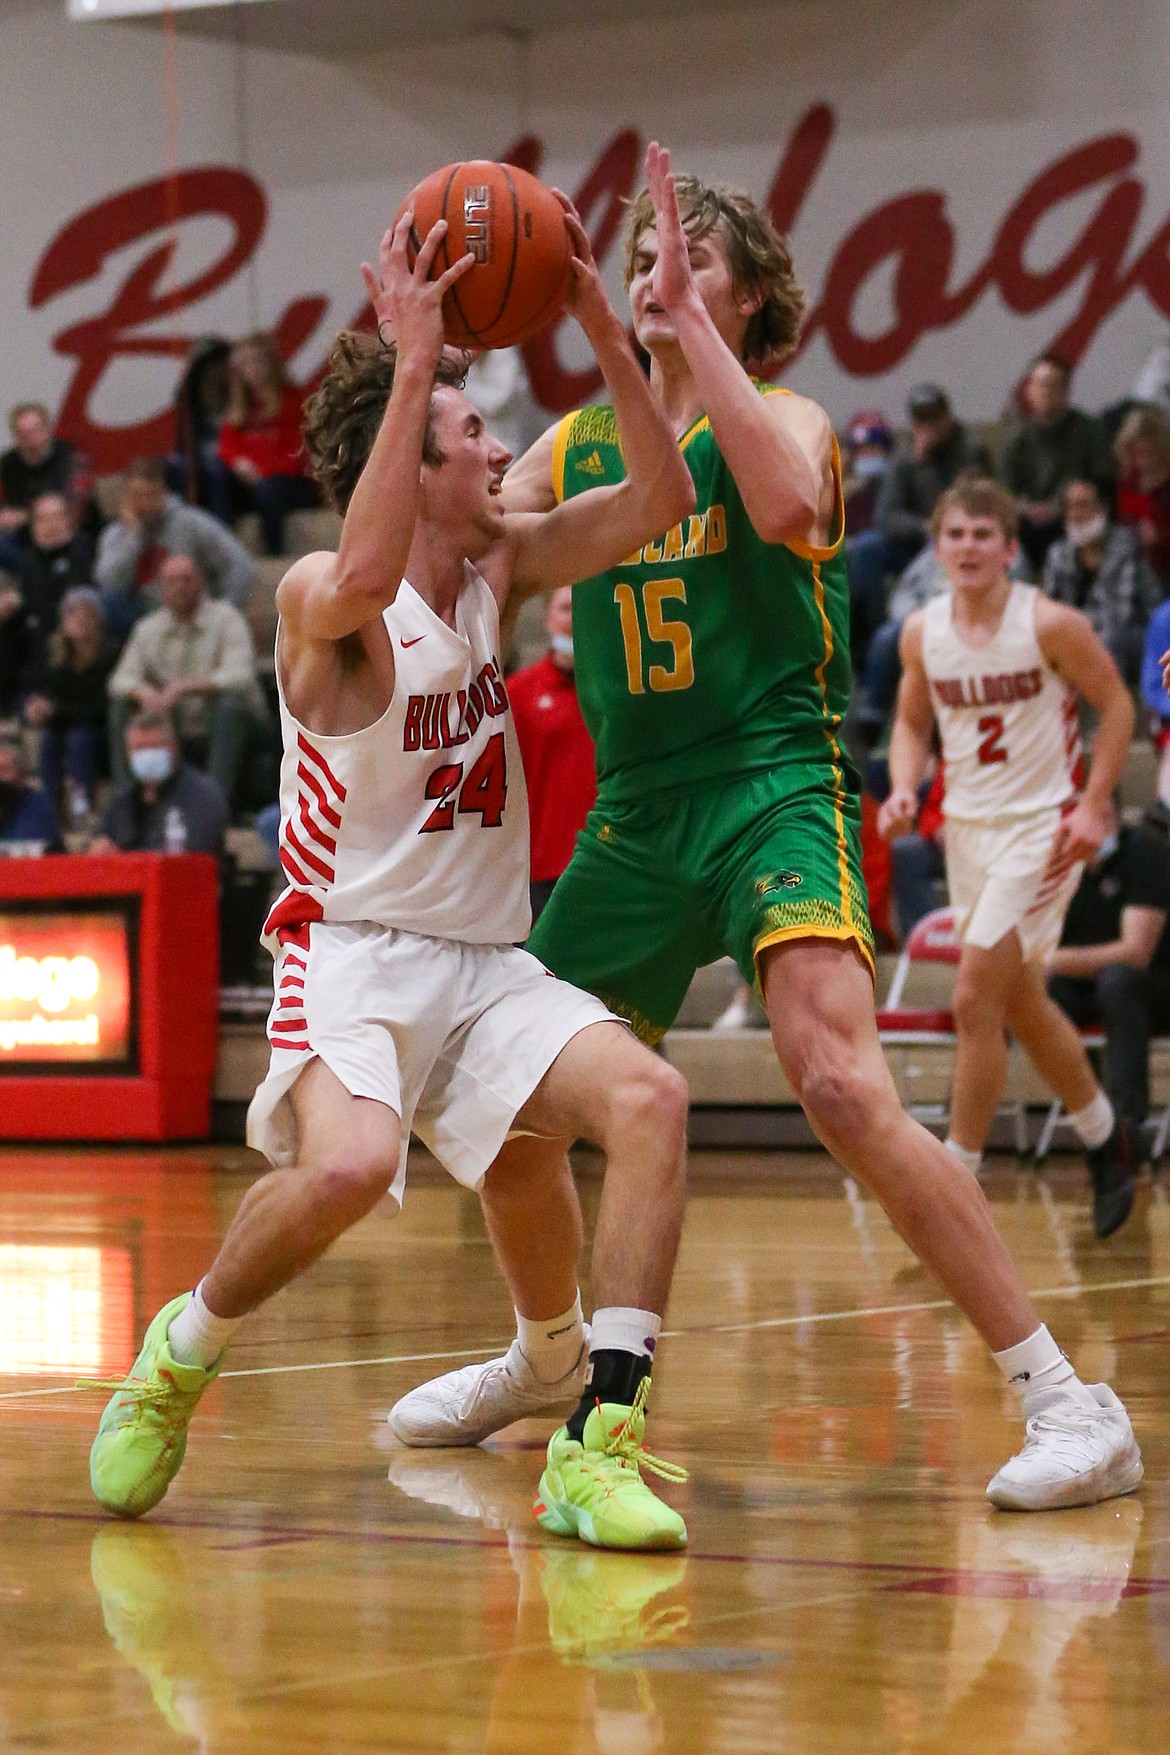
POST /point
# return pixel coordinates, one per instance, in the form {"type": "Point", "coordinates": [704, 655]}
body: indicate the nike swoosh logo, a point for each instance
{"type": "Point", "coordinates": [405, 643]}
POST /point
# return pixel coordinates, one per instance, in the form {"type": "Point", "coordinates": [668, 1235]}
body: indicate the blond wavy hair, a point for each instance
{"type": "Point", "coordinates": [758, 256]}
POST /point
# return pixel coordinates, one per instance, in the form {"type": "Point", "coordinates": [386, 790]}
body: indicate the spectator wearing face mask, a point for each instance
{"type": "Point", "coordinates": [1099, 568]}
{"type": "Point", "coordinates": [166, 806]}
{"type": "Point", "coordinates": [556, 749]}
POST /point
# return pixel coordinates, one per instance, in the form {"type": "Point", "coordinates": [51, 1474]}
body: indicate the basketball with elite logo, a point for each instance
{"type": "Point", "coordinates": [515, 228]}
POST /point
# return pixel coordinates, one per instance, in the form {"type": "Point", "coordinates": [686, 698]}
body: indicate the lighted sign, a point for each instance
{"type": "Point", "coordinates": [65, 989]}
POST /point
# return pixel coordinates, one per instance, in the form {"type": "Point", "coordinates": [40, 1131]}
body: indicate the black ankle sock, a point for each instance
{"type": "Point", "coordinates": [613, 1376]}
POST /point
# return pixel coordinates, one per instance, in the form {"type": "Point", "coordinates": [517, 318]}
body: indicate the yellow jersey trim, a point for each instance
{"type": "Point", "coordinates": [842, 934]}
{"type": "Point", "coordinates": [805, 550]}
{"type": "Point", "coordinates": [561, 453]}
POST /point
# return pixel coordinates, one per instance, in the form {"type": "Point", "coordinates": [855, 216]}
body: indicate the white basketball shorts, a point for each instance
{"type": "Point", "coordinates": [453, 1037]}
{"type": "Point", "coordinates": [1005, 876]}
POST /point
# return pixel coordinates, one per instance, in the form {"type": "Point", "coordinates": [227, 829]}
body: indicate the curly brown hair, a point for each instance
{"type": "Point", "coordinates": [759, 257]}
{"type": "Point", "coordinates": [343, 416]}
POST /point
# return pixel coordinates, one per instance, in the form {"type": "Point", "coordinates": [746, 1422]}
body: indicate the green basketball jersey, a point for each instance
{"type": "Point", "coordinates": [709, 652]}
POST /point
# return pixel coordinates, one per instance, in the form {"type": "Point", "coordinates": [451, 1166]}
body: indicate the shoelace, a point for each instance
{"type": "Point", "coordinates": [625, 1447]}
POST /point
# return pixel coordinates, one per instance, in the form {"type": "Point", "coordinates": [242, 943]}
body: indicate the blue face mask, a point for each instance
{"type": "Point", "coordinates": [151, 767]}
{"type": "Point", "coordinates": [1107, 849]}
{"type": "Point", "coordinates": [562, 645]}
{"type": "Point", "coordinates": [866, 468]}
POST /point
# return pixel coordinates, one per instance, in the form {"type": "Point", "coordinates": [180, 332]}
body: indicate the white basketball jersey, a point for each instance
{"type": "Point", "coordinates": [1010, 738]}
{"type": "Point", "coordinates": [419, 821]}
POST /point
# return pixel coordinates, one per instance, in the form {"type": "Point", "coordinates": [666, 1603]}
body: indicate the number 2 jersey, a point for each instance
{"type": "Point", "coordinates": [420, 820]}
{"type": "Point", "coordinates": [709, 652]}
{"type": "Point", "coordinates": [1010, 735]}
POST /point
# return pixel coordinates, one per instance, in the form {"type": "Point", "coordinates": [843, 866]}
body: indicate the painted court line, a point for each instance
{"type": "Point", "coordinates": [731, 1328]}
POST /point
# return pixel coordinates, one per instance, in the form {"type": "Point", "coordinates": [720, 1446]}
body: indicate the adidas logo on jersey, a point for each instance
{"type": "Point", "coordinates": [591, 465]}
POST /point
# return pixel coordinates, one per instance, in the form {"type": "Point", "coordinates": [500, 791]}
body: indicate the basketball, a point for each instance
{"type": "Point", "coordinates": [515, 228]}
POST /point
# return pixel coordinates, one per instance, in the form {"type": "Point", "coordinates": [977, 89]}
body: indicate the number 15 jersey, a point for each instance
{"type": "Point", "coordinates": [420, 820]}
{"type": "Point", "coordinates": [1010, 735]}
{"type": "Point", "coordinates": [710, 652]}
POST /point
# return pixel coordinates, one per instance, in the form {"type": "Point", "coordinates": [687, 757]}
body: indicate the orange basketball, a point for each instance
{"type": "Point", "coordinates": [515, 228]}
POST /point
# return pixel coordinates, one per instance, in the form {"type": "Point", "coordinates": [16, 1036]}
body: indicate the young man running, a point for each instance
{"type": "Point", "coordinates": [713, 672]}
{"type": "Point", "coordinates": [400, 999]}
{"type": "Point", "coordinates": [1001, 669]}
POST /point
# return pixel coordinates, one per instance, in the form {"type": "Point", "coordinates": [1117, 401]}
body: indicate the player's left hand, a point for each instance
{"type": "Point", "coordinates": [1080, 835]}
{"type": "Point", "coordinates": [1164, 662]}
{"type": "Point", "coordinates": [587, 298]}
{"type": "Point", "coordinates": [671, 281]}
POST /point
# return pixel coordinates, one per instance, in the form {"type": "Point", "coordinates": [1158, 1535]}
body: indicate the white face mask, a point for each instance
{"type": "Point", "coordinates": [867, 468]}
{"type": "Point", "coordinates": [562, 645]}
{"type": "Point", "coordinates": [152, 766]}
{"type": "Point", "coordinates": [1092, 530]}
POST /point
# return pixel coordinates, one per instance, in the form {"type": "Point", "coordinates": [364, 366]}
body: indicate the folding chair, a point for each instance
{"type": "Point", "coordinates": [900, 1025]}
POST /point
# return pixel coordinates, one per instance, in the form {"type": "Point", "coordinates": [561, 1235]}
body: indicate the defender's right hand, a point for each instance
{"type": "Point", "coordinates": [898, 814]}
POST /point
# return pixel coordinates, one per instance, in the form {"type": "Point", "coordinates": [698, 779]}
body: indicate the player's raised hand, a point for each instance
{"type": "Point", "coordinates": [1164, 661]}
{"type": "Point", "coordinates": [587, 298]}
{"type": "Point", "coordinates": [671, 282]}
{"type": "Point", "coordinates": [407, 302]}
{"type": "Point", "coordinates": [898, 814]}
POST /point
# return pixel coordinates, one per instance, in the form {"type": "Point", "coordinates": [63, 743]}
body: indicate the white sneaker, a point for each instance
{"type": "Point", "coordinates": [1071, 1456]}
{"type": "Point", "coordinates": [468, 1405]}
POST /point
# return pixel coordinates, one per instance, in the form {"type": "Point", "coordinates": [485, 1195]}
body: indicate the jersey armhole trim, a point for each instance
{"type": "Point", "coordinates": [805, 550]}
{"type": "Point", "coordinates": [560, 454]}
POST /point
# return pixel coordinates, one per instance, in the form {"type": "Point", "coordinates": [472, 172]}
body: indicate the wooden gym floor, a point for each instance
{"type": "Point", "coordinates": [308, 1586]}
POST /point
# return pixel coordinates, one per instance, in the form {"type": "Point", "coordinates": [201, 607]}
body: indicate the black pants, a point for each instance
{"type": "Point", "coordinates": [1129, 1005]}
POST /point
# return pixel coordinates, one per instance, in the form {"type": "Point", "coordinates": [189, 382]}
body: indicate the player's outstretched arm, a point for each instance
{"type": "Point", "coordinates": [1073, 650]}
{"type": "Point", "coordinates": [910, 740]}
{"type": "Point", "coordinates": [778, 448]}
{"type": "Point", "coordinates": [339, 594]}
{"type": "Point", "coordinates": [596, 529]}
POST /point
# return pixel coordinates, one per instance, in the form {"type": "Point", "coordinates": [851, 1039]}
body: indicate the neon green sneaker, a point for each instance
{"type": "Point", "coordinates": [142, 1435]}
{"type": "Point", "coordinates": [594, 1489]}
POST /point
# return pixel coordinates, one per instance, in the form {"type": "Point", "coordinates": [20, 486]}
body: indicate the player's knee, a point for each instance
{"type": "Point", "coordinates": [650, 1098]}
{"type": "Point", "coordinates": [974, 1010]}
{"type": "Point", "coordinates": [357, 1172]}
{"type": "Point", "coordinates": [838, 1098]}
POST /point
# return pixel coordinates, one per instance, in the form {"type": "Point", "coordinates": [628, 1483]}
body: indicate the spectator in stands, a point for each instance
{"type": "Point", "coordinates": [13, 648]}
{"type": "Point", "coordinates": [1099, 568]}
{"type": "Point", "coordinates": [153, 524]}
{"type": "Point", "coordinates": [57, 558]}
{"type": "Point", "coordinates": [69, 704]}
{"type": "Point", "coordinates": [194, 659]}
{"type": "Point", "coordinates": [200, 405]}
{"type": "Point", "coordinates": [1157, 701]}
{"type": "Point", "coordinates": [28, 823]}
{"type": "Point", "coordinates": [1112, 968]}
{"type": "Point", "coordinates": [1152, 383]}
{"type": "Point", "coordinates": [166, 805]}
{"type": "Point", "coordinates": [1055, 444]}
{"type": "Point", "coordinates": [261, 454]}
{"type": "Point", "coordinates": [938, 450]}
{"type": "Point", "coordinates": [556, 749]}
{"type": "Point", "coordinates": [36, 464]}
{"type": "Point", "coordinates": [865, 462]}
{"type": "Point", "coordinates": [1142, 448]}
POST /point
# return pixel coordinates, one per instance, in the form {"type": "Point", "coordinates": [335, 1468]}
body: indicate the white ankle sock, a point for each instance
{"type": "Point", "coordinates": [1094, 1123]}
{"type": "Point", "coordinates": [972, 1161]}
{"type": "Point", "coordinates": [197, 1336]}
{"type": "Point", "coordinates": [553, 1346]}
{"type": "Point", "coordinates": [620, 1329]}
{"type": "Point", "coordinates": [1041, 1374]}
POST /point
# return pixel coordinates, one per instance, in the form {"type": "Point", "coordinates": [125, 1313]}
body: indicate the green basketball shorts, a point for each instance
{"type": "Point", "coordinates": [658, 887]}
